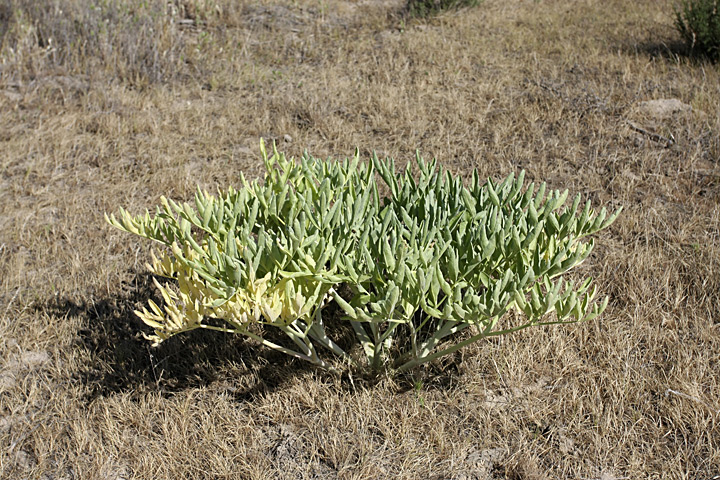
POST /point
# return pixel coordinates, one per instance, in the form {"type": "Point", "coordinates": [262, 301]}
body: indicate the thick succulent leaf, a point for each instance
{"type": "Point", "coordinates": [435, 256]}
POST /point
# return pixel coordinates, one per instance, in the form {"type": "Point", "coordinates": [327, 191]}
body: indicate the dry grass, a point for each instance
{"type": "Point", "coordinates": [177, 93]}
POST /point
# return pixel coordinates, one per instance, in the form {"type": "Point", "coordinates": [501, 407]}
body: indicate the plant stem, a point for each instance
{"type": "Point", "coordinates": [317, 360]}
{"type": "Point", "coordinates": [429, 358]}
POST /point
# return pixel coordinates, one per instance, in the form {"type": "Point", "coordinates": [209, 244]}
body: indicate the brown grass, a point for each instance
{"type": "Point", "coordinates": [117, 106]}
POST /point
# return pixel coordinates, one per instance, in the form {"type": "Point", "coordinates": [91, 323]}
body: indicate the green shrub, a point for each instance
{"type": "Point", "coordinates": [428, 8]}
{"type": "Point", "coordinates": [409, 272]}
{"type": "Point", "coordinates": [699, 23]}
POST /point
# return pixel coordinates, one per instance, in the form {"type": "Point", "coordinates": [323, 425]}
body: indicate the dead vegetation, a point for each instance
{"type": "Point", "coordinates": [174, 94]}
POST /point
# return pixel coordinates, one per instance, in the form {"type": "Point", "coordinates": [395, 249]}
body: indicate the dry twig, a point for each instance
{"type": "Point", "coordinates": [669, 142]}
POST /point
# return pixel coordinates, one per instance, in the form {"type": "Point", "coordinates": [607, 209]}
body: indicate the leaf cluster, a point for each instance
{"type": "Point", "coordinates": [408, 271]}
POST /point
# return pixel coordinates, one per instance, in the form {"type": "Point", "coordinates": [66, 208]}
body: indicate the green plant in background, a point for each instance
{"type": "Point", "coordinates": [409, 272]}
{"type": "Point", "coordinates": [428, 8]}
{"type": "Point", "coordinates": [699, 23]}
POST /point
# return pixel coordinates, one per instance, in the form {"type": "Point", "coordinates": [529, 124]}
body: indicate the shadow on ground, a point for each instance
{"type": "Point", "coordinates": [121, 360]}
{"type": "Point", "coordinates": [669, 49]}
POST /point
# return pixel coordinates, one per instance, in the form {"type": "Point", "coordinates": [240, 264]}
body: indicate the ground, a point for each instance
{"type": "Point", "coordinates": [109, 104]}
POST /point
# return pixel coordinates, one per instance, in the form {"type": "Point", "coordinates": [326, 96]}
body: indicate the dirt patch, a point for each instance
{"type": "Point", "coordinates": [663, 108]}
{"type": "Point", "coordinates": [25, 362]}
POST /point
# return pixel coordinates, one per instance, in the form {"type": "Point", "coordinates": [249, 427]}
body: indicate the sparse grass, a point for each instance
{"type": "Point", "coordinates": [544, 86]}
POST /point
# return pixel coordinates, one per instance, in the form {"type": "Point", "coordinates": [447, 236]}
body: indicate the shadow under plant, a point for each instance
{"type": "Point", "coordinates": [121, 360]}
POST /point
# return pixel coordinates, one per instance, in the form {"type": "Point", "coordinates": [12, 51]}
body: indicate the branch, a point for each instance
{"type": "Point", "coordinates": [669, 142]}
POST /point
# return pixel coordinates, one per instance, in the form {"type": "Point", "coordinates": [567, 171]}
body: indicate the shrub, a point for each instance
{"type": "Point", "coordinates": [699, 23]}
{"type": "Point", "coordinates": [409, 272]}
